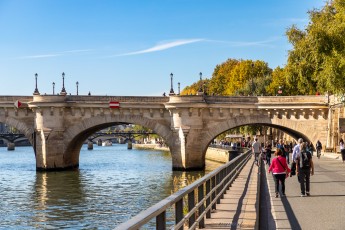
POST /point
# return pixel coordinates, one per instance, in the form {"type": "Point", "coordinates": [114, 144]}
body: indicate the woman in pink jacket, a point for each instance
{"type": "Point", "coordinates": [280, 170]}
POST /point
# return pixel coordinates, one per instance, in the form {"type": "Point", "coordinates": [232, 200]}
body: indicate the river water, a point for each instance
{"type": "Point", "coordinates": [111, 185]}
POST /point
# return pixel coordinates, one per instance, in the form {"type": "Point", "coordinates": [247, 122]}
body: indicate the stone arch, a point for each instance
{"type": "Point", "coordinates": [305, 129]}
{"type": "Point", "coordinates": [75, 135]}
{"type": "Point", "coordinates": [23, 127]}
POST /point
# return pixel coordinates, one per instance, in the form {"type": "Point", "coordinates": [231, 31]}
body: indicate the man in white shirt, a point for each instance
{"type": "Point", "coordinates": [256, 149]}
{"type": "Point", "coordinates": [296, 150]}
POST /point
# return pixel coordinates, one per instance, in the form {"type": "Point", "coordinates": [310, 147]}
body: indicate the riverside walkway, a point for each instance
{"type": "Point", "coordinates": [324, 209]}
{"type": "Point", "coordinates": [238, 208]}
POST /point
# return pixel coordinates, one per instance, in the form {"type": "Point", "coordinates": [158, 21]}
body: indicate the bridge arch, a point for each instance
{"type": "Point", "coordinates": [306, 129]}
{"type": "Point", "coordinates": [78, 133]}
{"type": "Point", "coordinates": [21, 126]}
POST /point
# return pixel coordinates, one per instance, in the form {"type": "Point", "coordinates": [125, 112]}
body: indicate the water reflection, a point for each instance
{"type": "Point", "coordinates": [59, 198]}
{"type": "Point", "coordinates": [112, 185]}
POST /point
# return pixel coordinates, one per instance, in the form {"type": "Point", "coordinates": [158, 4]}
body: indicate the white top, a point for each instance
{"type": "Point", "coordinates": [256, 147]}
{"type": "Point", "coordinates": [296, 151]}
{"type": "Point", "coordinates": [342, 145]}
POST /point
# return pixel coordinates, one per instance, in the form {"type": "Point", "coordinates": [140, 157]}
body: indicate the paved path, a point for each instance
{"type": "Point", "coordinates": [237, 209]}
{"type": "Point", "coordinates": [324, 209]}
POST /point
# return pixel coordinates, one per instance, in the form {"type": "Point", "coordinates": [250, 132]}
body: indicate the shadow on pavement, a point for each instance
{"type": "Point", "coordinates": [240, 202]}
{"type": "Point", "coordinates": [290, 214]}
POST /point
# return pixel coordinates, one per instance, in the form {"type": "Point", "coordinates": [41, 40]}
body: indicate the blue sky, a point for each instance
{"type": "Point", "coordinates": [129, 48]}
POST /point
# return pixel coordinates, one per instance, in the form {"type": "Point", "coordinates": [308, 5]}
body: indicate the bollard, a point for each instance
{"type": "Point", "coordinates": [90, 145]}
{"type": "Point", "coordinates": [99, 142]}
{"type": "Point", "coordinates": [10, 146]}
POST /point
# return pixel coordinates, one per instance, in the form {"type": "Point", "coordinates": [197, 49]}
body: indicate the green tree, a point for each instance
{"type": "Point", "coordinates": [317, 61]}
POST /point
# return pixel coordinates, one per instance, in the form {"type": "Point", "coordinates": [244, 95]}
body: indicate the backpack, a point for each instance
{"type": "Point", "coordinates": [305, 159]}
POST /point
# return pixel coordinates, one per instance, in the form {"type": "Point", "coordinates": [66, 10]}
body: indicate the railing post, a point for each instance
{"type": "Point", "coordinates": [191, 204]}
{"type": "Point", "coordinates": [161, 221]}
{"type": "Point", "coordinates": [222, 172]}
{"type": "Point", "coordinates": [208, 200]}
{"type": "Point", "coordinates": [218, 189]}
{"type": "Point", "coordinates": [179, 212]}
{"type": "Point", "coordinates": [214, 192]}
{"type": "Point", "coordinates": [202, 207]}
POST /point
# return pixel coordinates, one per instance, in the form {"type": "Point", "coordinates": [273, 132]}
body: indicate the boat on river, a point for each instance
{"type": "Point", "coordinates": [107, 143]}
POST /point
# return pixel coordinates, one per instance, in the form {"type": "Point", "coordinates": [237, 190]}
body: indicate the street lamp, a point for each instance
{"type": "Point", "coordinates": [53, 88]}
{"type": "Point", "coordinates": [63, 90]}
{"type": "Point", "coordinates": [178, 88]}
{"type": "Point", "coordinates": [201, 86]}
{"type": "Point", "coordinates": [171, 83]}
{"type": "Point", "coordinates": [252, 88]}
{"type": "Point", "coordinates": [77, 83]}
{"type": "Point", "coordinates": [36, 92]}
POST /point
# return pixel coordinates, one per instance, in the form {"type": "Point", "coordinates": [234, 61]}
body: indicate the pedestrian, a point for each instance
{"type": "Point", "coordinates": [342, 149]}
{"type": "Point", "coordinates": [305, 168]}
{"type": "Point", "coordinates": [280, 171]}
{"type": "Point", "coordinates": [256, 149]}
{"type": "Point", "coordinates": [282, 146]}
{"type": "Point", "coordinates": [318, 149]}
{"type": "Point", "coordinates": [268, 150]}
{"type": "Point", "coordinates": [296, 149]}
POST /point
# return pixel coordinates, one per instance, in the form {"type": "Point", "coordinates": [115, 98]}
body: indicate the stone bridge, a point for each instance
{"type": "Point", "coordinates": [58, 125]}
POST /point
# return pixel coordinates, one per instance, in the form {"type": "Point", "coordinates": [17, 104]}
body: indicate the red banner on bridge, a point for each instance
{"type": "Point", "coordinates": [114, 104]}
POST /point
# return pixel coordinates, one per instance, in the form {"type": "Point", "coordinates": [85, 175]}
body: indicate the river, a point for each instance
{"type": "Point", "coordinates": [111, 185]}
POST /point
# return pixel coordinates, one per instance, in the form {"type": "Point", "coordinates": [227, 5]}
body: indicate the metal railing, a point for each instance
{"type": "Point", "coordinates": [201, 197]}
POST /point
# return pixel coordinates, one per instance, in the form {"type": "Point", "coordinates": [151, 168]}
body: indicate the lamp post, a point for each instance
{"type": "Point", "coordinates": [36, 92]}
{"type": "Point", "coordinates": [252, 87]}
{"type": "Point", "coordinates": [201, 85]}
{"type": "Point", "coordinates": [77, 84]}
{"type": "Point", "coordinates": [63, 90]}
{"type": "Point", "coordinates": [53, 88]}
{"type": "Point", "coordinates": [178, 88]}
{"type": "Point", "coordinates": [171, 84]}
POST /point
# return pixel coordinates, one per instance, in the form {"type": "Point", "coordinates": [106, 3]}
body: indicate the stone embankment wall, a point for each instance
{"type": "Point", "coordinates": [217, 154]}
{"type": "Point", "coordinates": [213, 154]}
{"type": "Point", "coordinates": [151, 146]}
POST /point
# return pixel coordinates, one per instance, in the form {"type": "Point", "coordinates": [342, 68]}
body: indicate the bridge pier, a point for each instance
{"type": "Point", "coordinates": [10, 146]}
{"type": "Point", "coordinates": [129, 144]}
{"type": "Point", "coordinates": [90, 145]}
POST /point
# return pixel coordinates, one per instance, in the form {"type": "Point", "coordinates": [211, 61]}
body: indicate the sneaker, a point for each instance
{"type": "Point", "coordinates": [303, 195]}
{"type": "Point", "coordinates": [308, 193]}
{"type": "Point", "coordinates": [276, 195]}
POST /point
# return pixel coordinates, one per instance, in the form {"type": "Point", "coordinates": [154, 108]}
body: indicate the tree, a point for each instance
{"type": "Point", "coordinates": [317, 61]}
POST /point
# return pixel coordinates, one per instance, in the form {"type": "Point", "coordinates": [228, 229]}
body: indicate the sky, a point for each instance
{"type": "Point", "coordinates": [130, 47]}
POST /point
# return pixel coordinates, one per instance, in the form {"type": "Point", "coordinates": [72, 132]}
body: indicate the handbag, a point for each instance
{"type": "Point", "coordinates": [286, 171]}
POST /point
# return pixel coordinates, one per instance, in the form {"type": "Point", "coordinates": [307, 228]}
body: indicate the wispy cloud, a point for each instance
{"type": "Point", "coordinates": [57, 54]}
{"type": "Point", "coordinates": [162, 46]}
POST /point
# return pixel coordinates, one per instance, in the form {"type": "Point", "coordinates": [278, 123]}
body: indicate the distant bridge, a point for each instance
{"type": "Point", "coordinates": [127, 135]}
{"type": "Point", "coordinates": [12, 137]}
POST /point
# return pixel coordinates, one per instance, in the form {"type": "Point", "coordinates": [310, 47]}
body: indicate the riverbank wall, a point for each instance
{"type": "Point", "coordinates": [213, 154]}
